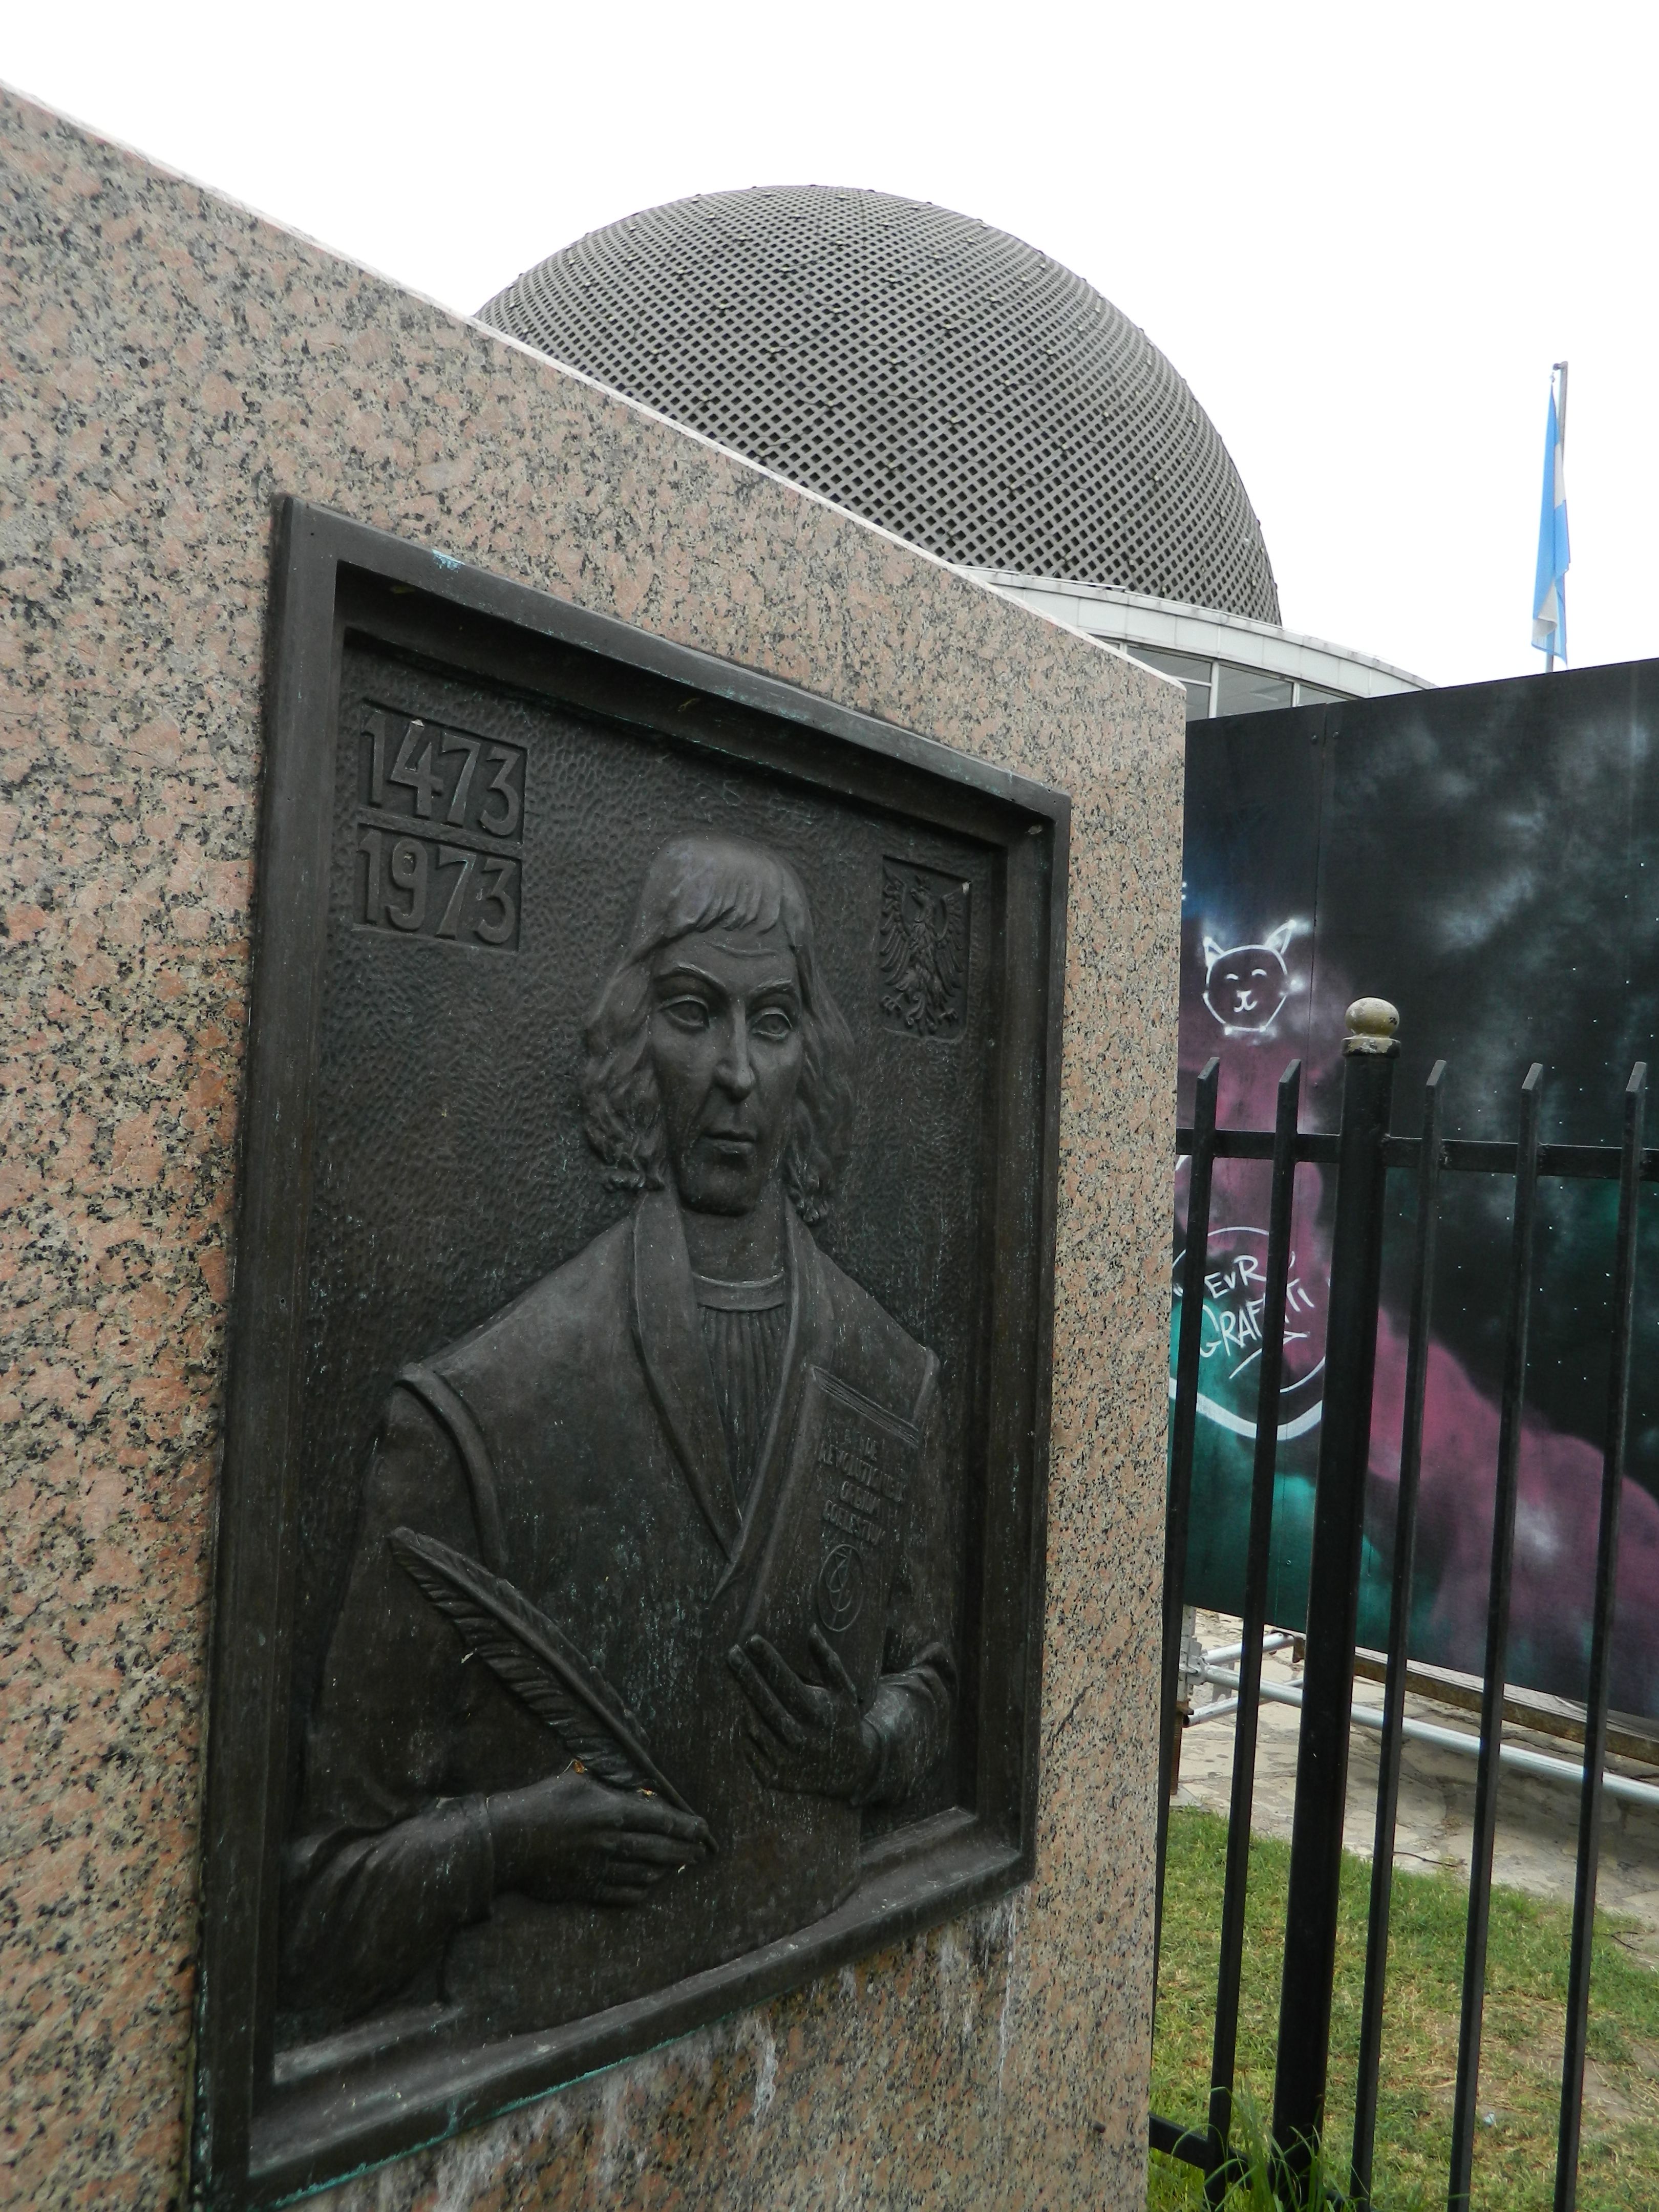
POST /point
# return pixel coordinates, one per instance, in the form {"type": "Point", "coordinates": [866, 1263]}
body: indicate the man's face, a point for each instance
{"type": "Point", "coordinates": [726, 1043]}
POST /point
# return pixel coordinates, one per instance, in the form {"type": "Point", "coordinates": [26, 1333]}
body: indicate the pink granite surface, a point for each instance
{"type": "Point", "coordinates": [170, 363]}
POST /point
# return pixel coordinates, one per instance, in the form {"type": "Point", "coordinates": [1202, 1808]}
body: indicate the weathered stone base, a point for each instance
{"type": "Point", "coordinates": [171, 364]}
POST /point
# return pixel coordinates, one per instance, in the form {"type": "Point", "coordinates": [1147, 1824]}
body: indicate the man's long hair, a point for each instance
{"type": "Point", "coordinates": [711, 882]}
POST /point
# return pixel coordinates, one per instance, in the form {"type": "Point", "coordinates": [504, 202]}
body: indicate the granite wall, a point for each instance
{"type": "Point", "coordinates": [172, 363]}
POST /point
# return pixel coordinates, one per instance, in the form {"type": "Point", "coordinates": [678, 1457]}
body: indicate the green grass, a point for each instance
{"type": "Point", "coordinates": [1520, 2051]}
{"type": "Point", "coordinates": [1256, 2179]}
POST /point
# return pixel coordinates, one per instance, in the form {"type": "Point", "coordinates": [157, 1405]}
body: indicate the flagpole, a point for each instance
{"type": "Point", "coordinates": [1559, 369]}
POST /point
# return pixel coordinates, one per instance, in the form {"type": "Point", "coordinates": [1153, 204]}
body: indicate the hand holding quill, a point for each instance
{"type": "Point", "coordinates": [603, 1835]}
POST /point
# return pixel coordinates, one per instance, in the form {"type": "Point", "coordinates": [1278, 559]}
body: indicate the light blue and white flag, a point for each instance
{"type": "Point", "coordinates": [1549, 595]}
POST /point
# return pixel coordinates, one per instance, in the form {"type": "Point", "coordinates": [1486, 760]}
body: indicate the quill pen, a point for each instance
{"type": "Point", "coordinates": [537, 1661]}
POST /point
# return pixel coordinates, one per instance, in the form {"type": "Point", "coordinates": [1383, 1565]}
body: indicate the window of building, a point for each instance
{"type": "Point", "coordinates": [1195, 674]}
{"type": "Point", "coordinates": [1251, 691]}
{"type": "Point", "coordinates": [1222, 687]}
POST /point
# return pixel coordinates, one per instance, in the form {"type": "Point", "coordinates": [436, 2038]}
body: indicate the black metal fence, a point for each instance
{"type": "Point", "coordinates": [1365, 1154]}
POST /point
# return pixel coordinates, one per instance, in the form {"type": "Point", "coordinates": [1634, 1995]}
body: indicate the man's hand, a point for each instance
{"type": "Point", "coordinates": [572, 1840]}
{"type": "Point", "coordinates": [802, 1736]}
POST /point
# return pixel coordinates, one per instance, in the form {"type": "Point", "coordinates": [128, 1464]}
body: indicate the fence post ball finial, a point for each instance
{"type": "Point", "coordinates": [1371, 1024]}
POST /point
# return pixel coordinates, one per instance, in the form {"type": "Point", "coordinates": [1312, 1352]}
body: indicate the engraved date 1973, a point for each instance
{"type": "Point", "coordinates": [440, 820]}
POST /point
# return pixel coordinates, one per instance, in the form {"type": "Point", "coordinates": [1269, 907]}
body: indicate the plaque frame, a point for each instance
{"type": "Point", "coordinates": [253, 2143]}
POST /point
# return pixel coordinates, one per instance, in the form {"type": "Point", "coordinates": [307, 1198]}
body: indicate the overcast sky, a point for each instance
{"type": "Point", "coordinates": [1362, 234]}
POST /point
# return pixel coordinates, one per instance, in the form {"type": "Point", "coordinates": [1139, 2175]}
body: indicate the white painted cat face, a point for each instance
{"type": "Point", "coordinates": [1245, 986]}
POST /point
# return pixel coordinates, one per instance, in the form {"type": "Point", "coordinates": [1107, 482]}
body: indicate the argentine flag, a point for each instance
{"type": "Point", "coordinates": [1549, 594]}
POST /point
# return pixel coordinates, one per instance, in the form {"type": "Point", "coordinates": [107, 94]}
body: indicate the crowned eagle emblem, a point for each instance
{"type": "Point", "coordinates": [924, 949]}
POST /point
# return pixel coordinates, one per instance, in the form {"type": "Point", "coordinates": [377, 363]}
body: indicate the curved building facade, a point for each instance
{"type": "Point", "coordinates": [1227, 664]}
{"type": "Point", "coordinates": [944, 381]}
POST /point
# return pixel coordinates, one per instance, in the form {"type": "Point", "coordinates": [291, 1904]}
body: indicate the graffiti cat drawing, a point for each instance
{"type": "Point", "coordinates": [1245, 986]}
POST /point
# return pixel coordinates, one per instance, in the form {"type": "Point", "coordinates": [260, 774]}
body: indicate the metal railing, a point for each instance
{"type": "Point", "coordinates": [1364, 1153]}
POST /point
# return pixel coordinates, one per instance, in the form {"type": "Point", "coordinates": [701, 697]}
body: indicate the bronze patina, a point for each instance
{"type": "Point", "coordinates": [629, 1595]}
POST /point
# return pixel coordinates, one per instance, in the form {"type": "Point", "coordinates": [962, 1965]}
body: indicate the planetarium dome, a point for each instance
{"type": "Point", "coordinates": [932, 374]}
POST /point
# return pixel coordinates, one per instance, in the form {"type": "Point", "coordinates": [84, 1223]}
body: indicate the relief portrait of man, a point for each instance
{"type": "Point", "coordinates": [715, 1462]}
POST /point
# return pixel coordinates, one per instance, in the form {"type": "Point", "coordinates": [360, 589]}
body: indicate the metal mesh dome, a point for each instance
{"type": "Point", "coordinates": [934, 375]}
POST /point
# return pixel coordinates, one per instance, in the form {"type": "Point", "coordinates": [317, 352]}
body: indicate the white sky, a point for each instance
{"type": "Point", "coordinates": [1363, 234]}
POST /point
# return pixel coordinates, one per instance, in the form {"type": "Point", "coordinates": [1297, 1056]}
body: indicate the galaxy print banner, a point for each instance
{"type": "Point", "coordinates": [1487, 858]}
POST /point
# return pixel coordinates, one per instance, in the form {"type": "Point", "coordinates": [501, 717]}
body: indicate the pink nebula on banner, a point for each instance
{"type": "Point", "coordinates": [1558, 1505]}
{"type": "Point", "coordinates": [1558, 1510]}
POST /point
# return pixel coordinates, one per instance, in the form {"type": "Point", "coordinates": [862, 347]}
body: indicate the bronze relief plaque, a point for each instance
{"type": "Point", "coordinates": [629, 1584]}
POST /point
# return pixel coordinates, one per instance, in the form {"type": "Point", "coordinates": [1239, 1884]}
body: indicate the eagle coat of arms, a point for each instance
{"type": "Point", "coordinates": [923, 948]}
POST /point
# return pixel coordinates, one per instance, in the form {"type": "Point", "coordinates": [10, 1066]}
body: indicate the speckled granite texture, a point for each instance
{"type": "Point", "coordinates": [171, 364]}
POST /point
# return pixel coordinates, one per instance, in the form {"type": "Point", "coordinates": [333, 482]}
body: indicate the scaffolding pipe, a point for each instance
{"type": "Point", "coordinates": [1225, 1654]}
{"type": "Point", "coordinates": [1512, 1755]}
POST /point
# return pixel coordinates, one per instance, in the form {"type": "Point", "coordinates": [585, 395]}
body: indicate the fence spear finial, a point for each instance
{"type": "Point", "coordinates": [1371, 1025]}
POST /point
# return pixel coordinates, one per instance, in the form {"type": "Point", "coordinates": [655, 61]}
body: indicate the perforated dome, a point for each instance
{"type": "Point", "coordinates": [934, 375]}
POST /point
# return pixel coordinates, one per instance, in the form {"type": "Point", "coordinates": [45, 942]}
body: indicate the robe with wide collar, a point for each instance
{"type": "Point", "coordinates": [573, 1444]}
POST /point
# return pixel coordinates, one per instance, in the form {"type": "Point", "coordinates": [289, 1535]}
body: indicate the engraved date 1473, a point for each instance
{"type": "Point", "coordinates": [440, 816]}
